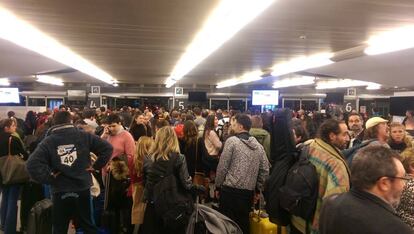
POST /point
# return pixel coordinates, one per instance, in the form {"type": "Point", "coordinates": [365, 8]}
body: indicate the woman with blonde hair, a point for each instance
{"type": "Point", "coordinates": [166, 160]}
{"type": "Point", "coordinates": [406, 207]}
{"type": "Point", "coordinates": [399, 140]}
{"type": "Point", "coordinates": [143, 147]}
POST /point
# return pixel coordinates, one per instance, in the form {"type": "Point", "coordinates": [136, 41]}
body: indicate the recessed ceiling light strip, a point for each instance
{"type": "Point", "coordinates": [49, 80]}
{"type": "Point", "coordinates": [225, 21]}
{"type": "Point", "coordinates": [4, 82]}
{"type": "Point", "coordinates": [25, 35]}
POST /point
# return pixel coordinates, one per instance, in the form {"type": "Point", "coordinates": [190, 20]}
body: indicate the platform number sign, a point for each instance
{"type": "Point", "coordinates": [94, 102]}
{"type": "Point", "coordinates": [350, 105]}
{"type": "Point", "coordinates": [180, 103]}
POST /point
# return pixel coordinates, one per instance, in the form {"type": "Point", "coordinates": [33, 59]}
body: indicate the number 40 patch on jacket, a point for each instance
{"type": "Point", "coordinates": [67, 154]}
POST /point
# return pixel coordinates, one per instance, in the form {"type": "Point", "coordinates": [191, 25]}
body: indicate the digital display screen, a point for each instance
{"type": "Point", "coordinates": [9, 95]}
{"type": "Point", "coordinates": [265, 97]}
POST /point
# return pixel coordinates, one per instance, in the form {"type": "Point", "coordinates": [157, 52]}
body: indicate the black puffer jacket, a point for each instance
{"type": "Point", "coordinates": [154, 172]}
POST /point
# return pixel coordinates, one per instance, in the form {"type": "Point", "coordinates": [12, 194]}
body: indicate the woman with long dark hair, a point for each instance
{"type": "Point", "coordinates": [190, 146]}
{"type": "Point", "coordinates": [10, 193]}
{"type": "Point", "coordinates": [212, 143]}
{"type": "Point", "coordinates": [30, 123]}
{"type": "Point", "coordinates": [138, 128]}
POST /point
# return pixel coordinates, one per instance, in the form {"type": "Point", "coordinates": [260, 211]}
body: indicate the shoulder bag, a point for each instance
{"type": "Point", "coordinates": [13, 168]}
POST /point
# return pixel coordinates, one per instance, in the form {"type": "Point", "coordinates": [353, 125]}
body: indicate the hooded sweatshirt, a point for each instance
{"type": "Point", "coordinates": [263, 137]}
{"type": "Point", "coordinates": [243, 163]}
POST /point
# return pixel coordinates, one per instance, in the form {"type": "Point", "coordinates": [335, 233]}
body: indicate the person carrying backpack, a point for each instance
{"type": "Point", "coordinates": [334, 174]}
{"type": "Point", "coordinates": [168, 186]}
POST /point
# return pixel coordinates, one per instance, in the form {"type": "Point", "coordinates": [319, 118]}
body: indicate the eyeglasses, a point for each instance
{"type": "Point", "coordinates": [406, 177]}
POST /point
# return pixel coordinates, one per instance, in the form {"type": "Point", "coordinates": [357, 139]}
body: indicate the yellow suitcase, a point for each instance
{"type": "Point", "coordinates": [260, 224]}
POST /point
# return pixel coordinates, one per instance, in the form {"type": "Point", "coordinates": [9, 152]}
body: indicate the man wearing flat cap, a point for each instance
{"type": "Point", "coordinates": [376, 133]}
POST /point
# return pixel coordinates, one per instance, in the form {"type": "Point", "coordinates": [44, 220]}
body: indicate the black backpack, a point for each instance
{"type": "Point", "coordinates": [292, 188]}
{"type": "Point", "coordinates": [275, 181]}
{"type": "Point", "coordinates": [172, 204]}
{"type": "Point", "coordinates": [299, 194]}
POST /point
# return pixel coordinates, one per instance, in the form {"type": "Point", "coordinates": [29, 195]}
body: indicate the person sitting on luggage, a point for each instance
{"type": "Point", "coordinates": [242, 169]}
{"type": "Point", "coordinates": [63, 160]}
{"type": "Point", "coordinates": [165, 155]}
{"type": "Point", "coordinates": [378, 179]}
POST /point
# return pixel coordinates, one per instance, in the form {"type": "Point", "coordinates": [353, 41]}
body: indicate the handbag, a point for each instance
{"type": "Point", "coordinates": [13, 168]}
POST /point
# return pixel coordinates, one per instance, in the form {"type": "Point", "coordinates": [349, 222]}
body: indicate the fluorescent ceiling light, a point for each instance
{"type": "Point", "coordinates": [25, 35]}
{"type": "Point", "coordinates": [302, 63]}
{"type": "Point", "coordinates": [223, 23]}
{"type": "Point", "coordinates": [373, 86]}
{"type": "Point", "coordinates": [343, 83]}
{"type": "Point", "coordinates": [49, 80]}
{"type": "Point", "coordinates": [169, 83]}
{"type": "Point", "coordinates": [4, 82]}
{"type": "Point", "coordinates": [296, 81]}
{"type": "Point", "coordinates": [245, 78]}
{"type": "Point", "coordinates": [398, 39]}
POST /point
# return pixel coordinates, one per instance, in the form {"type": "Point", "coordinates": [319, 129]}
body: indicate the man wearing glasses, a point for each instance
{"type": "Point", "coordinates": [378, 179]}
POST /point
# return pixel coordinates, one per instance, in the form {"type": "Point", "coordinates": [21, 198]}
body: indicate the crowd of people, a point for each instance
{"type": "Point", "coordinates": [106, 170]}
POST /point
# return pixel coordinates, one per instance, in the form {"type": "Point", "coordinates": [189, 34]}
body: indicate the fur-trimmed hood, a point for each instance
{"type": "Point", "coordinates": [119, 169]}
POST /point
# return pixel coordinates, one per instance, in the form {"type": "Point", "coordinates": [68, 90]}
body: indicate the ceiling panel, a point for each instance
{"type": "Point", "coordinates": [17, 62]}
{"type": "Point", "coordinates": [393, 69]}
{"type": "Point", "coordinates": [140, 41]}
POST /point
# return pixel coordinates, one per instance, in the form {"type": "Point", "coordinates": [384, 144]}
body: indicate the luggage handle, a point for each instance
{"type": "Point", "coordinates": [196, 208]}
{"type": "Point", "coordinates": [260, 205]}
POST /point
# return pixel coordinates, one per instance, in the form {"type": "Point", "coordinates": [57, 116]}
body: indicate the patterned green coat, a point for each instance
{"type": "Point", "coordinates": [334, 177]}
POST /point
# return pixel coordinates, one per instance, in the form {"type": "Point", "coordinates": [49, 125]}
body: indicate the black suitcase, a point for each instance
{"type": "Point", "coordinates": [40, 218]}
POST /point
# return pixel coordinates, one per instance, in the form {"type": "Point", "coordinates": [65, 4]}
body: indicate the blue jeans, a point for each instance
{"type": "Point", "coordinates": [8, 208]}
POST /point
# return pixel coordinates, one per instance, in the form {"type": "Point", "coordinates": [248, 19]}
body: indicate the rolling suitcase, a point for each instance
{"type": "Point", "coordinates": [40, 218]}
{"type": "Point", "coordinates": [260, 224]}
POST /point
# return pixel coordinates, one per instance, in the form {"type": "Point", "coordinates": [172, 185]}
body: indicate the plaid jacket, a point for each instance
{"type": "Point", "coordinates": [334, 177]}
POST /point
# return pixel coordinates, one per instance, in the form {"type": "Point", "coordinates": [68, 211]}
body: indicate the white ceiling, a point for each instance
{"type": "Point", "coordinates": [140, 41]}
{"type": "Point", "coordinates": [392, 69]}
